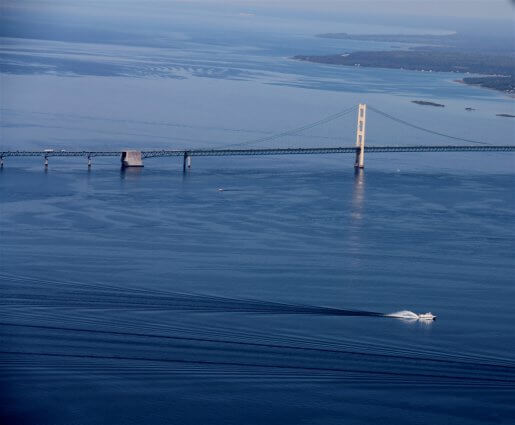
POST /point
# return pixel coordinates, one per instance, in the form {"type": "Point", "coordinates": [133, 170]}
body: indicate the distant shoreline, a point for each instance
{"type": "Point", "coordinates": [435, 53]}
{"type": "Point", "coordinates": [510, 94]}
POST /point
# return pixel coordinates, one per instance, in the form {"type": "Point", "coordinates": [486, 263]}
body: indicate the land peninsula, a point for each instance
{"type": "Point", "coordinates": [430, 53]}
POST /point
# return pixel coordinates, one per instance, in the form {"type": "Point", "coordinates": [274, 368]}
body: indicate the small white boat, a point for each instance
{"type": "Point", "coordinates": [427, 316]}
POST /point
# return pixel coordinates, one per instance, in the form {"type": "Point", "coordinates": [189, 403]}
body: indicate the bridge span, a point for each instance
{"type": "Point", "coordinates": [187, 154]}
{"type": "Point", "coordinates": [265, 151]}
{"type": "Point", "coordinates": [134, 158]}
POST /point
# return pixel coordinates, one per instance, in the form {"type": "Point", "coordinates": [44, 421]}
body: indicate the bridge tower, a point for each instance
{"type": "Point", "coordinates": [360, 136]}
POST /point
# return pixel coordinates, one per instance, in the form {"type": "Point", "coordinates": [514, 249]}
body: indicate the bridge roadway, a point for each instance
{"type": "Point", "coordinates": [265, 151]}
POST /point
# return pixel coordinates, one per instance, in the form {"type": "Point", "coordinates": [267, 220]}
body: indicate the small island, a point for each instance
{"type": "Point", "coordinates": [505, 115]}
{"type": "Point", "coordinates": [426, 103]}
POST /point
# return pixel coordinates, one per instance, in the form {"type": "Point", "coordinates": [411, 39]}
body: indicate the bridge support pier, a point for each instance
{"type": "Point", "coordinates": [360, 136]}
{"type": "Point", "coordinates": [131, 159]}
{"type": "Point", "coordinates": [186, 161]}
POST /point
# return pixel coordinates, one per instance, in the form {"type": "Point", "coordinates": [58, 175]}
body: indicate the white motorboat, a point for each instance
{"type": "Point", "coordinates": [426, 316]}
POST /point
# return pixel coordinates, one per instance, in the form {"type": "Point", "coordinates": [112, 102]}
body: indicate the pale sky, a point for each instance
{"type": "Point", "coordinates": [457, 8]}
{"type": "Point", "coordinates": [473, 8]}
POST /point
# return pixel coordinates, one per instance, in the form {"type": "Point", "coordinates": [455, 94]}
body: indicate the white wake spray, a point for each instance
{"type": "Point", "coordinates": [404, 314]}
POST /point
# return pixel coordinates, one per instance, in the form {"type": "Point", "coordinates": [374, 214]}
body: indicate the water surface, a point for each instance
{"type": "Point", "coordinates": [149, 296]}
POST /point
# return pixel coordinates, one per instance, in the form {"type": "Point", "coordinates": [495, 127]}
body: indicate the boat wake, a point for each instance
{"type": "Point", "coordinates": [410, 315]}
{"type": "Point", "coordinates": [404, 314]}
{"type": "Point", "coordinates": [57, 294]}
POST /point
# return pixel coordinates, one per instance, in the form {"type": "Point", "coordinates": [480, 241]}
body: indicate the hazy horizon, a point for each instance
{"type": "Point", "coordinates": [156, 22]}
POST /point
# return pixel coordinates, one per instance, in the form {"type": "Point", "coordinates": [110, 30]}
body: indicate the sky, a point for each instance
{"type": "Point", "coordinates": [494, 9]}
{"type": "Point", "coordinates": [470, 8]}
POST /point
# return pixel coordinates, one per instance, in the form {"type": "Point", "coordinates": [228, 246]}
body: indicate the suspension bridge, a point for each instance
{"type": "Point", "coordinates": [134, 158]}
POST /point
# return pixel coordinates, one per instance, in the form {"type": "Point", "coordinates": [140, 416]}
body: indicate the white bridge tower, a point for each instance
{"type": "Point", "coordinates": [360, 136]}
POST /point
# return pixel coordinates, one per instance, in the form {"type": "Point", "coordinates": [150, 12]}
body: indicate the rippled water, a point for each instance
{"type": "Point", "coordinates": [149, 296]}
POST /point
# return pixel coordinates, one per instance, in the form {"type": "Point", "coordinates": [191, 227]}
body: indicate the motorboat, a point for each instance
{"type": "Point", "coordinates": [426, 316]}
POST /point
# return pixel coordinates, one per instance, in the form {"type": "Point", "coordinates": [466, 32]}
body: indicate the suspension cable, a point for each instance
{"type": "Point", "coordinates": [384, 114]}
{"type": "Point", "coordinates": [295, 130]}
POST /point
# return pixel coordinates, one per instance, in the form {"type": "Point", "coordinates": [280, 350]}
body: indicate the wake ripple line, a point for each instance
{"type": "Point", "coordinates": [265, 366]}
{"type": "Point", "coordinates": [263, 345]}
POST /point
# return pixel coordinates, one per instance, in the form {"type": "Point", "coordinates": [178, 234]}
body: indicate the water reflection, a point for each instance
{"type": "Point", "coordinates": [356, 217]}
{"type": "Point", "coordinates": [127, 173]}
{"type": "Point", "coordinates": [358, 196]}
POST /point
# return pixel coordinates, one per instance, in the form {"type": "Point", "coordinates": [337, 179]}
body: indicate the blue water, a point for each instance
{"type": "Point", "coordinates": [149, 296]}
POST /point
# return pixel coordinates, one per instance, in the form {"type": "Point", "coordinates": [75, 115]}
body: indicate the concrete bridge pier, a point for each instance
{"type": "Point", "coordinates": [131, 159]}
{"type": "Point", "coordinates": [360, 136]}
{"type": "Point", "coordinates": [186, 161]}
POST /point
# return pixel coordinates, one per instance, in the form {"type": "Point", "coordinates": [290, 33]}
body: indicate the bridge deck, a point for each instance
{"type": "Point", "coordinates": [266, 151]}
